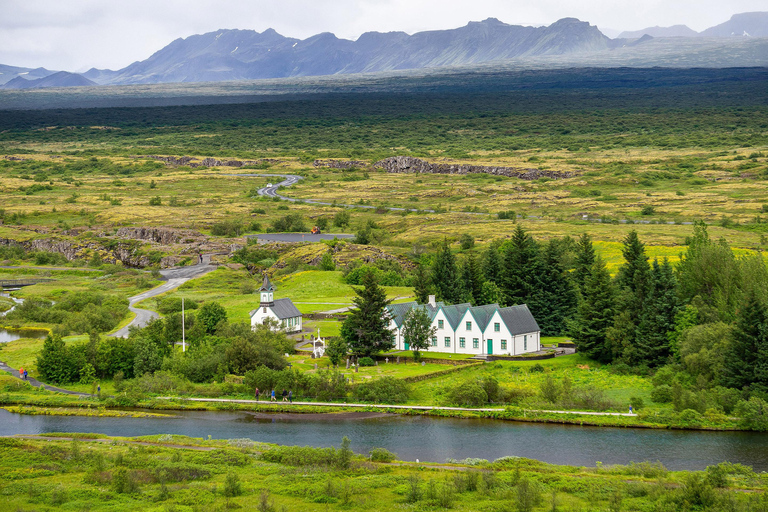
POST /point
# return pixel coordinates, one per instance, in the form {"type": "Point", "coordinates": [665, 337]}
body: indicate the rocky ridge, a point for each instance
{"type": "Point", "coordinates": [409, 164]}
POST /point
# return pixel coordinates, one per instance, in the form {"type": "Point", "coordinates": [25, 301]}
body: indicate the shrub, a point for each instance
{"type": "Point", "coordinates": [637, 403]}
{"type": "Point", "coordinates": [230, 228]}
{"type": "Point", "coordinates": [467, 241]}
{"type": "Point", "coordinates": [469, 394]}
{"type": "Point", "coordinates": [662, 394]}
{"type": "Point", "coordinates": [156, 201]}
{"type": "Point", "coordinates": [753, 414]}
{"type": "Point", "coordinates": [366, 361]}
{"type": "Point", "coordinates": [169, 305]}
{"type": "Point", "coordinates": [383, 390]}
{"type": "Point", "coordinates": [382, 455]}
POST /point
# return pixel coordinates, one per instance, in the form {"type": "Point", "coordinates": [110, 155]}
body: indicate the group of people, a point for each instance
{"type": "Point", "coordinates": [23, 374]}
{"type": "Point", "coordinates": [287, 395]}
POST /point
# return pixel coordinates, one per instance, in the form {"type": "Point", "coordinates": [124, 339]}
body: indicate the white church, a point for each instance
{"type": "Point", "coordinates": [281, 310]}
{"type": "Point", "coordinates": [467, 329]}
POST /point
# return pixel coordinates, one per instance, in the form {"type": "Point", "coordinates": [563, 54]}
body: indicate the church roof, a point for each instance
{"type": "Point", "coordinates": [267, 286]}
{"type": "Point", "coordinates": [282, 308]}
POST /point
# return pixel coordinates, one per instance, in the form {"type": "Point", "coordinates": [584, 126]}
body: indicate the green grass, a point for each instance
{"type": "Point", "coordinates": [179, 473]}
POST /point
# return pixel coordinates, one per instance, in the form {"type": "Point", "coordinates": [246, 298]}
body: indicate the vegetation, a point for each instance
{"type": "Point", "coordinates": [176, 472]}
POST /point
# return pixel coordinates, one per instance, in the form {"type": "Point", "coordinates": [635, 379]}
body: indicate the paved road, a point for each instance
{"type": "Point", "coordinates": [175, 278]}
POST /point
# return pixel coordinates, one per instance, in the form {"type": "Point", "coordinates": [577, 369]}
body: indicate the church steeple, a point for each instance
{"type": "Point", "coordinates": [267, 293]}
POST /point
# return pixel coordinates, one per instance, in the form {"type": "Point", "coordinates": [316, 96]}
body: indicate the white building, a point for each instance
{"type": "Point", "coordinates": [467, 329]}
{"type": "Point", "coordinates": [281, 310]}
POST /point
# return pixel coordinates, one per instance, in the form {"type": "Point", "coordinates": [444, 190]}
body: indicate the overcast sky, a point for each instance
{"type": "Point", "coordinates": [75, 35]}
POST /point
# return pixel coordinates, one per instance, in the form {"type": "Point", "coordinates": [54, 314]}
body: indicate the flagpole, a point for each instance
{"type": "Point", "coordinates": [183, 333]}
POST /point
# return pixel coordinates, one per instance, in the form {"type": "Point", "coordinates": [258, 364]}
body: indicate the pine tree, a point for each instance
{"type": "Point", "coordinates": [594, 314]}
{"type": "Point", "coordinates": [585, 258]}
{"type": "Point", "coordinates": [658, 317]}
{"type": "Point", "coordinates": [750, 344]}
{"type": "Point", "coordinates": [519, 272]}
{"type": "Point", "coordinates": [366, 329]}
{"type": "Point", "coordinates": [472, 280]}
{"type": "Point", "coordinates": [445, 276]}
{"type": "Point", "coordinates": [633, 282]}
{"type": "Point", "coordinates": [492, 263]}
{"type": "Point", "coordinates": [555, 301]}
{"type": "Point", "coordinates": [421, 284]}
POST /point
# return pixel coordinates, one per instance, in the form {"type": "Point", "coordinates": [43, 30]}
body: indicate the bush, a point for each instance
{"type": "Point", "coordinates": [170, 305]}
{"type": "Point", "coordinates": [470, 394]}
{"type": "Point", "coordinates": [467, 241]}
{"type": "Point", "coordinates": [382, 455]}
{"type": "Point", "coordinates": [662, 394]}
{"type": "Point", "coordinates": [753, 414]}
{"type": "Point", "coordinates": [230, 228]}
{"type": "Point", "coordinates": [366, 361]}
{"type": "Point", "coordinates": [383, 390]}
{"type": "Point", "coordinates": [637, 403]}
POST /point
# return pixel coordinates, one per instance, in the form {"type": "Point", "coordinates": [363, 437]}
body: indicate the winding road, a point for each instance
{"type": "Point", "coordinates": [175, 277]}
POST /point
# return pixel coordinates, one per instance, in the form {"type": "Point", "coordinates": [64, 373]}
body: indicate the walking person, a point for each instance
{"type": "Point", "coordinates": [21, 373]}
{"type": "Point", "coordinates": [630, 408]}
{"type": "Point", "coordinates": [273, 396]}
{"type": "Point", "coordinates": [285, 395]}
{"type": "Point", "coordinates": [290, 395]}
{"type": "Point", "coordinates": [257, 394]}
{"type": "Point", "coordinates": [26, 374]}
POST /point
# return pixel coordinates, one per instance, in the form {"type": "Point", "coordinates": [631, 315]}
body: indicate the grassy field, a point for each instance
{"type": "Point", "coordinates": [165, 472]}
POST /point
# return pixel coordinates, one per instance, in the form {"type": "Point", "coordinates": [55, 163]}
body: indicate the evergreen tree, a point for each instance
{"type": "Point", "coordinates": [585, 258]}
{"type": "Point", "coordinates": [472, 281]}
{"type": "Point", "coordinates": [492, 263]}
{"type": "Point", "coordinates": [366, 328]}
{"type": "Point", "coordinates": [519, 272]}
{"type": "Point", "coordinates": [491, 293]}
{"type": "Point", "coordinates": [745, 361]}
{"type": "Point", "coordinates": [445, 276]}
{"type": "Point", "coordinates": [658, 317]}
{"type": "Point", "coordinates": [555, 295]}
{"type": "Point", "coordinates": [633, 282]}
{"type": "Point", "coordinates": [421, 284]}
{"type": "Point", "coordinates": [594, 314]}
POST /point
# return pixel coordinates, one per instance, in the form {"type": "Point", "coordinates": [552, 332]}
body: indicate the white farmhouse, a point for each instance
{"type": "Point", "coordinates": [467, 329]}
{"type": "Point", "coordinates": [281, 310]}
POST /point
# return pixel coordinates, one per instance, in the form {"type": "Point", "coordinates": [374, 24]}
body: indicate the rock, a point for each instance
{"type": "Point", "coordinates": [159, 235]}
{"type": "Point", "coordinates": [406, 164]}
{"type": "Point", "coordinates": [339, 164]}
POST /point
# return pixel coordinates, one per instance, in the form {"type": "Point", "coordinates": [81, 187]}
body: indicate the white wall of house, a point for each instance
{"type": "Point", "coordinates": [527, 343]}
{"type": "Point", "coordinates": [444, 330]}
{"type": "Point", "coordinates": [502, 339]}
{"type": "Point", "coordinates": [473, 333]}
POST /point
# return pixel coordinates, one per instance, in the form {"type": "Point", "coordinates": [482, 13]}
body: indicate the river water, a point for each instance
{"type": "Point", "coordinates": [432, 439]}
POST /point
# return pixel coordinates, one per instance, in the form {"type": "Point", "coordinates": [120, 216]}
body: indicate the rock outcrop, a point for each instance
{"type": "Point", "coordinates": [210, 162]}
{"type": "Point", "coordinates": [339, 164]}
{"type": "Point", "coordinates": [160, 235]}
{"type": "Point", "coordinates": [405, 164]}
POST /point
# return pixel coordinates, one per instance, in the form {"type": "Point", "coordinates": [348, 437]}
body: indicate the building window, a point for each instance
{"type": "Point", "coordinates": [525, 342]}
{"type": "Point", "coordinates": [434, 341]}
{"type": "Point", "coordinates": [496, 327]}
{"type": "Point", "coordinates": [503, 344]}
{"type": "Point", "coordinates": [447, 341]}
{"type": "Point", "coordinates": [469, 326]}
{"type": "Point", "coordinates": [440, 324]}
{"type": "Point", "coordinates": [462, 343]}
{"type": "Point", "coordinates": [475, 343]}
{"type": "Point", "coordinates": [265, 309]}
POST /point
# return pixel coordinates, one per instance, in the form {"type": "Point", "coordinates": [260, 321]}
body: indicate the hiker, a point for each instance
{"type": "Point", "coordinates": [200, 254]}
{"type": "Point", "coordinates": [98, 389]}
{"type": "Point", "coordinates": [290, 396]}
{"type": "Point", "coordinates": [257, 394]}
{"type": "Point", "coordinates": [630, 408]}
{"type": "Point", "coordinates": [273, 396]}
{"type": "Point", "coordinates": [26, 374]}
{"type": "Point", "coordinates": [285, 395]}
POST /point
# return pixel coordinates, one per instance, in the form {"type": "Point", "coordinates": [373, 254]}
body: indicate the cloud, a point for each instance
{"type": "Point", "coordinates": [79, 34]}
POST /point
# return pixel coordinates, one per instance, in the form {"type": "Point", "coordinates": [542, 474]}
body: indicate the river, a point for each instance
{"type": "Point", "coordinates": [432, 439]}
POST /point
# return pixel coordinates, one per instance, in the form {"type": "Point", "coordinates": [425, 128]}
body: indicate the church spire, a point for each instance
{"type": "Point", "coordinates": [267, 293]}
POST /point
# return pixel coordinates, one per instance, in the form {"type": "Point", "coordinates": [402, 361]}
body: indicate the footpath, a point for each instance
{"type": "Point", "coordinates": [386, 406]}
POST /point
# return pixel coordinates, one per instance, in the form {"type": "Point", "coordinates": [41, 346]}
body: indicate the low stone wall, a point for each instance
{"type": "Point", "coordinates": [406, 164]}
{"type": "Point", "coordinates": [520, 358]}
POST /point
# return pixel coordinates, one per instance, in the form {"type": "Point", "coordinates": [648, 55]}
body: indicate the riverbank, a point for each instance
{"type": "Point", "coordinates": [181, 473]}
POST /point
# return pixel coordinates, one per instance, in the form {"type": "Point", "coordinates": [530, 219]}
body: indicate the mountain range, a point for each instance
{"type": "Point", "coordinates": [246, 54]}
